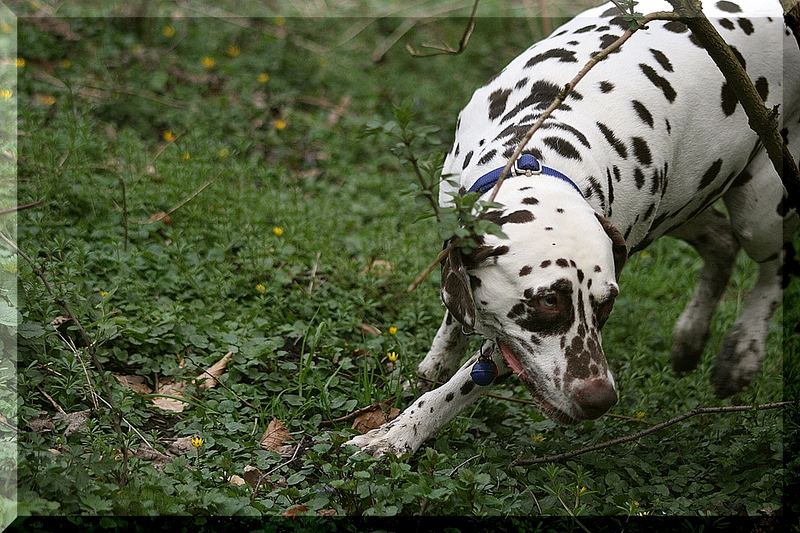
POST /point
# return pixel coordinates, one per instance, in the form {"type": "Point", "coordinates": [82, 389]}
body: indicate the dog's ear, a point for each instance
{"type": "Point", "coordinates": [456, 290]}
{"type": "Point", "coordinates": [618, 247]}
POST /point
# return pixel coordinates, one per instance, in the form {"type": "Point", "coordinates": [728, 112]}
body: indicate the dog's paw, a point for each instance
{"type": "Point", "coordinates": [738, 362]}
{"type": "Point", "coordinates": [377, 443]}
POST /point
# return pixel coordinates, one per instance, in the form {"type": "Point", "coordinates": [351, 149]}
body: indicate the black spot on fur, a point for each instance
{"type": "Point", "coordinates": [746, 25]}
{"type": "Point", "coordinates": [607, 40]}
{"type": "Point", "coordinates": [649, 211]}
{"type": "Point", "coordinates": [729, 100]}
{"type": "Point", "coordinates": [728, 7]}
{"type": "Point", "coordinates": [517, 217]}
{"type": "Point", "coordinates": [659, 82]}
{"type": "Point", "coordinates": [710, 174]}
{"type": "Point", "coordinates": [562, 147]}
{"type": "Point", "coordinates": [617, 173]}
{"type": "Point", "coordinates": [449, 397]}
{"type": "Point", "coordinates": [642, 151]}
{"type": "Point", "coordinates": [611, 12]}
{"type": "Point", "coordinates": [601, 29]}
{"type": "Point", "coordinates": [530, 200]}
{"type": "Point", "coordinates": [545, 264]}
{"type": "Point", "coordinates": [669, 126]}
{"type": "Point", "coordinates": [573, 43]}
{"type": "Point", "coordinates": [563, 263]}
{"type": "Point", "coordinates": [580, 276]}
{"type": "Point", "coordinates": [739, 57]}
{"type": "Point", "coordinates": [466, 160]}
{"type": "Point", "coordinates": [618, 145]}
{"type": "Point", "coordinates": [524, 271]}
{"type": "Point", "coordinates": [521, 83]}
{"type": "Point", "coordinates": [566, 127]}
{"type": "Point", "coordinates": [606, 86]}
{"type": "Point", "coordinates": [487, 157]}
{"type": "Point", "coordinates": [639, 177]}
{"type": "Point", "coordinates": [585, 29]}
{"type": "Point", "coordinates": [467, 387]}
{"type": "Point", "coordinates": [564, 56]}
{"type": "Point", "coordinates": [655, 182]}
{"type": "Point", "coordinates": [548, 228]}
{"type": "Point", "coordinates": [643, 113]}
{"type": "Point", "coordinates": [597, 268]}
{"type": "Point", "coordinates": [542, 94]}
{"type": "Point", "coordinates": [619, 22]}
{"type": "Point", "coordinates": [596, 188]}
{"type": "Point", "coordinates": [762, 86]}
{"type": "Point", "coordinates": [696, 41]}
{"type": "Point", "coordinates": [662, 59]}
{"type": "Point", "coordinates": [559, 210]}
{"type": "Point", "coordinates": [727, 24]}
{"type": "Point", "coordinates": [497, 102]}
{"type": "Point", "coordinates": [676, 26]}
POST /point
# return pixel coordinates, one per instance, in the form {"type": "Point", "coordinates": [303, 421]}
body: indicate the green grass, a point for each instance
{"type": "Point", "coordinates": [171, 299]}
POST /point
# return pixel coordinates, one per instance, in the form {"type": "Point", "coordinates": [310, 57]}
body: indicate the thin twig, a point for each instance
{"type": "Point", "coordinates": [133, 428]}
{"type": "Point", "coordinates": [633, 436]}
{"type": "Point", "coordinates": [21, 207]}
{"type": "Point", "coordinates": [166, 145]}
{"type": "Point", "coordinates": [185, 201]}
{"type": "Point", "coordinates": [357, 412]}
{"type": "Point", "coordinates": [264, 476]}
{"type": "Point", "coordinates": [462, 464]}
{"type": "Point", "coordinates": [659, 15]}
{"type": "Point", "coordinates": [52, 401]}
{"type": "Point", "coordinates": [406, 26]}
{"type": "Point", "coordinates": [424, 274]}
{"type": "Point", "coordinates": [445, 49]}
{"type": "Point", "coordinates": [313, 273]}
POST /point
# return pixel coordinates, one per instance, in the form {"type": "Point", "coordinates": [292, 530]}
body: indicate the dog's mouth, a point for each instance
{"type": "Point", "coordinates": [545, 405]}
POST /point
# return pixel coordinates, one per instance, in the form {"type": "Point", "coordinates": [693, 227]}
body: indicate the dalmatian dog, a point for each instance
{"type": "Point", "coordinates": [648, 141]}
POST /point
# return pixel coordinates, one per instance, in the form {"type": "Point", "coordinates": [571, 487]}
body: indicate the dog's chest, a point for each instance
{"type": "Point", "coordinates": [652, 134]}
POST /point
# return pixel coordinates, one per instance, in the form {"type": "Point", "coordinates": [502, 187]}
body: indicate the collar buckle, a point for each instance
{"type": "Point", "coordinates": [527, 165]}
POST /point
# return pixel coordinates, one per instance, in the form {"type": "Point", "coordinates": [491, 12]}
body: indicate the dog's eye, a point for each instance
{"type": "Point", "coordinates": [549, 302]}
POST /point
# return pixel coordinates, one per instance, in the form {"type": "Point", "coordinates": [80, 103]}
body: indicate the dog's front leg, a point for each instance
{"type": "Point", "coordinates": [429, 413]}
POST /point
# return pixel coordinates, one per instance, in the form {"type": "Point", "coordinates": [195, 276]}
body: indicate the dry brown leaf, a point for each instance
{"type": "Point", "coordinates": [251, 474]}
{"type": "Point", "coordinates": [75, 421]}
{"type": "Point", "coordinates": [209, 378]}
{"type": "Point", "coordinates": [236, 481]}
{"type": "Point", "coordinates": [327, 512]}
{"type": "Point", "coordinates": [181, 445]}
{"type": "Point", "coordinates": [135, 383]}
{"type": "Point", "coordinates": [41, 424]}
{"type": "Point", "coordinates": [370, 330]}
{"type": "Point", "coordinates": [275, 436]}
{"type": "Point", "coordinates": [295, 510]}
{"type": "Point", "coordinates": [160, 216]}
{"type": "Point", "coordinates": [374, 419]}
{"type": "Point", "coordinates": [170, 404]}
{"type": "Point", "coordinates": [149, 454]}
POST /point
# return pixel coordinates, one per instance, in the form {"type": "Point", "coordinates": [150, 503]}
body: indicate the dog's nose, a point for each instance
{"type": "Point", "coordinates": [595, 397]}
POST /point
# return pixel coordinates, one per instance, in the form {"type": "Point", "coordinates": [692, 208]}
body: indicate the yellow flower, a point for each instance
{"type": "Point", "coordinates": [208, 62]}
{"type": "Point", "coordinates": [168, 136]}
{"type": "Point", "coordinates": [260, 288]}
{"type": "Point", "coordinates": [392, 356]}
{"type": "Point", "coordinates": [640, 414]}
{"type": "Point", "coordinates": [197, 441]}
{"type": "Point", "coordinates": [20, 62]}
{"type": "Point", "coordinates": [223, 153]}
{"type": "Point", "coordinates": [279, 124]}
{"type": "Point", "coordinates": [582, 490]}
{"type": "Point", "coordinates": [392, 330]}
{"type": "Point", "coordinates": [233, 50]}
{"type": "Point", "coordinates": [103, 294]}
{"type": "Point", "coordinates": [280, 21]}
{"type": "Point", "coordinates": [45, 99]}
{"type": "Point", "coordinates": [6, 94]}
{"type": "Point", "coordinates": [168, 31]}
{"type": "Point", "coordinates": [263, 77]}
{"type": "Point", "coordinates": [538, 437]}
{"type": "Point", "coordinates": [6, 27]}
{"type": "Point", "coordinates": [277, 231]}
{"type": "Point", "coordinates": [186, 156]}
{"type": "Point", "coordinates": [65, 63]}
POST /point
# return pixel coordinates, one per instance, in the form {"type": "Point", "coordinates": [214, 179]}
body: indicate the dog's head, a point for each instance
{"type": "Point", "coordinates": [544, 294]}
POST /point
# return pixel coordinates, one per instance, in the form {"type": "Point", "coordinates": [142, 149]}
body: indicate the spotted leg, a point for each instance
{"type": "Point", "coordinates": [711, 235]}
{"type": "Point", "coordinates": [446, 351]}
{"type": "Point", "coordinates": [428, 414]}
{"type": "Point", "coordinates": [761, 222]}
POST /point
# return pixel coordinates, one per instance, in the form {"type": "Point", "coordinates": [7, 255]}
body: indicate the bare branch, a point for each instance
{"type": "Point", "coordinates": [658, 427]}
{"type": "Point", "coordinates": [445, 49]}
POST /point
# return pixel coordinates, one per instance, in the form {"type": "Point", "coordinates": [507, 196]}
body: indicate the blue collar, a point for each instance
{"type": "Point", "coordinates": [525, 165]}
